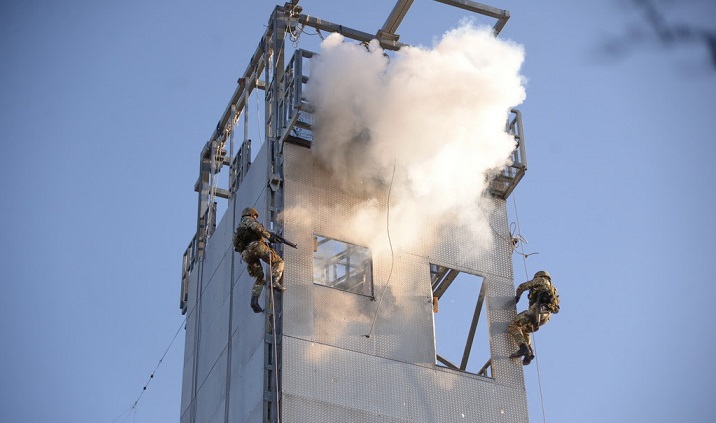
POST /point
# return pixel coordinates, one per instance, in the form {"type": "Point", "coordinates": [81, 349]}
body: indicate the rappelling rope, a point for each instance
{"type": "Point", "coordinates": [275, 339]}
{"type": "Point", "coordinates": [392, 256]}
{"type": "Point", "coordinates": [273, 323]}
{"type": "Point", "coordinates": [189, 313]}
{"type": "Point", "coordinates": [534, 338]}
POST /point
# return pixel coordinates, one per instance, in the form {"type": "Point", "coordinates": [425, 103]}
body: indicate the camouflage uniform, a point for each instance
{"type": "Point", "coordinates": [538, 283]}
{"type": "Point", "coordinates": [537, 314]}
{"type": "Point", "coordinates": [526, 323]}
{"type": "Point", "coordinates": [249, 240]}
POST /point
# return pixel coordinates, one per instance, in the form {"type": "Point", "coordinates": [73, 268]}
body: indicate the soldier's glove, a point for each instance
{"type": "Point", "coordinates": [517, 299]}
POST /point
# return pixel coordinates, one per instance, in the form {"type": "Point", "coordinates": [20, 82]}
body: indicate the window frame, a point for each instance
{"type": "Point", "coordinates": [342, 258]}
{"type": "Point", "coordinates": [441, 279]}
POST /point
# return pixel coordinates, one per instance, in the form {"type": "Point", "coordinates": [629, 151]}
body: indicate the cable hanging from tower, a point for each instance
{"type": "Point", "coordinates": [527, 277]}
{"type": "Point", "coordinates": [133, 407]}
{"type": "Point", "coordinates": [392, 254]}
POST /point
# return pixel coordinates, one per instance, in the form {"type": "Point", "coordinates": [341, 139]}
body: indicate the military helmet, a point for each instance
{"type": "Point", "coordinates": [543, 274]}
{"type": "Point", "coordinates": [250, 211]}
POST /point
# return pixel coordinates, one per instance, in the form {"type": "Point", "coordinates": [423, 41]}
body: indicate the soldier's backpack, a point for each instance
{"type": "Point", "coordinates": [243, 236]}
{"type": "Point", "coordinates": [546, 296]}
{"type": "Point", "coordinates": [239, 244]}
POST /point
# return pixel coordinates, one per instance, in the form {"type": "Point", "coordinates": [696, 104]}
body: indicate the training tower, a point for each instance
{"type": "Point", "coordinates": [307, 357]}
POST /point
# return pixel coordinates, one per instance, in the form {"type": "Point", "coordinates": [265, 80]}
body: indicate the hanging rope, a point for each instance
{"type": "Point", "coordinates": [392, 255]}
{"type": "Point", "coordinates": [213, 151]}
{"type": "Point", "coordinates": [295, 34]}
{"type": "Point", "coordinates": [275, 339]}
{"type": "Point", "coordinates": [133, 407]}
{"type": "Point", "coordinates": [539, 381]}
{"type": "Point", "coordinates": [189, 313]}
{"type": "Point", "coordinates": [527, 277]}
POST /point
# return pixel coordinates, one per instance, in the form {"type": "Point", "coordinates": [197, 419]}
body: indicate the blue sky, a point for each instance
{"type": "Point", "coordinates": [106, 105]}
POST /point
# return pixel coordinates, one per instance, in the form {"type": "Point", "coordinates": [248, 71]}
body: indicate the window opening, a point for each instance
{"type": "Point", "coordinates": [462, 339]}
{"type": "Point", "coordinates": [344, 266]}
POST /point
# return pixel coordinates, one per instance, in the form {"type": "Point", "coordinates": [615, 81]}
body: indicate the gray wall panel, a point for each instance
{"type": "Point", "coordinates": [296, 169]}
{"type": "Point", "coordinates": [213, 320]}
{"type": "Point", "coordinates": [187, 375]}
{"type": "Point", "coordinates": [254, 183]}
{"type": "Point", "coordinates": [331, 316]}
{"type": "Point", "coordinates": [247, 383]}
{"type": "Point", "coordinates": [497, 260]}
{"type": "Point", "coordinates": [212, 388]}
{"type": "Point", "coordinates": [214, 291]}
{"type": "Point", "coordinates": [217, 247]}
{"type": "Point", "coordinates": [256, 415]}
{"type": "Point", "coordinates": [403, 327]}
{"type": "Point", "coordinates": [387, 391]}
{"type": "Point", "coordinates": [501, 311]}
{"type": "Point", "coordinates": [247, 325]}
{"type": "Point", "coordinates": [331, 370]}
{"type": "Point", "coordinates": [220, 413]}
{"type": "Point", "coordinates": [297, 408]}
{"type": "Point", "coordinates": [214, 310]}
{"type": "Point", "coordinates": [213, 341]}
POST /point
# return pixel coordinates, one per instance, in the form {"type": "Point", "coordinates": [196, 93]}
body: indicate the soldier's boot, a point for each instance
{"type": "Point", "coordinates": [255, 304]}
{"type": "Point", "coordinates": [278, 286]}
{"type": "Point", "coordinates": [523, 351]}
{"type": "Point", "coordinates": [528, 359]}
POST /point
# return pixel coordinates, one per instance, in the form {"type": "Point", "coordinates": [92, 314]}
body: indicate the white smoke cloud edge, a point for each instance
{"type": "Point", "coordinates": [428, 122]}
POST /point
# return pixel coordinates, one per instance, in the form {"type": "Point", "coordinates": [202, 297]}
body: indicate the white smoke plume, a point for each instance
{"type": "Point", "coordinates": [427, 122]}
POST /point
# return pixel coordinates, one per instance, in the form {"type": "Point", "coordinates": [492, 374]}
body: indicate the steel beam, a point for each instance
{"type": "Point", "coordinates": [351, 33]}
{"type": "Point", "coordinates": [396, 16]}
{"type": "Point", "coordinates": [445, 283]}
{"type": "Point", "coordinates": [473, 328]}
{"type": "Point", "coordinates": [501, 15]}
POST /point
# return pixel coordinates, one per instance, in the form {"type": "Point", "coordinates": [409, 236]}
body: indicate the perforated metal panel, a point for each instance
{"type": "Point", "coordinates": [333, 372]}
{"type": "Point", "coordinates": [328, 384]}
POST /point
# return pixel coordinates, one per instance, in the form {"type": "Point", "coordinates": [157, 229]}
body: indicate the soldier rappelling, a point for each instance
{"type": "Point", "coordinates": [543, 301]}
{"type": "Point", "coordinates": [251, 239]}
